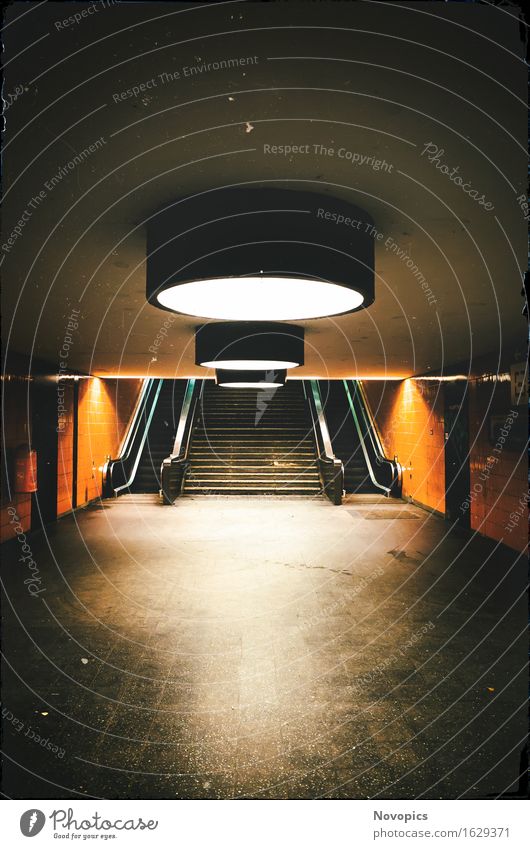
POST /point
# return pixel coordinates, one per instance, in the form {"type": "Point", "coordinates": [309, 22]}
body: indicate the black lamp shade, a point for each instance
{"type": "Point", "coordinates": [260, 254]}
{"type": "Point", "coordinates": [244, 346]}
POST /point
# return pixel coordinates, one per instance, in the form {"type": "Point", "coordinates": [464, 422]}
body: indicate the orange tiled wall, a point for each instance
{"type": "Point", "coordinates": [15, 432]}
{"type": "Point", "coordinates": [105, 408]}
{"type": "Point", "coordinates": [65, 446]}
{"type": "Point", "coordinates": [409, 415]}
{"type": "Point", "coordinates": [498, 469]}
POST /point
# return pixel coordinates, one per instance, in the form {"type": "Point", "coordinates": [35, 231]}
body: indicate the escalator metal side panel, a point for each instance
{"type": "Point", "coordinates": [117, 471]}
{"type": "Point", "coordinates": [383, 471]}
{"type": "Point", "coordinates": [147, 414]}
{"type": "Point", "coordinates": [174, 467]}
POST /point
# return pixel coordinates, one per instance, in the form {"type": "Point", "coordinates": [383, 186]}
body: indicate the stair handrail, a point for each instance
{"type": "Point", "coordinates": [182, 436]}
{"type": "Point", "coordinates": [331, 469]}
{"type": "Point", "coordinates": [369, 432]}
{"type": "Point", "coordinates": [134, 439]}
{"type": "Point", "coordinates": [178, 459]}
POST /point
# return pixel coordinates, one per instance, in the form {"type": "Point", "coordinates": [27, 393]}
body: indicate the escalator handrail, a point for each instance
{"type": "Point", "coordinates": [128, 437]}
{"type": "Point", "coordinates": [182, 436]}
{"type": "Point", "coordinates": [331, 468]}
{"type": "Point", "coordinates": [320, 427]}
{"type": "Point", "coordinates": [139, 417]}
{"type": "Point", "coordinates": [178, 459]}
{"type": "Point", "coordinates": [375, 438]}
{"type": "Point", "coordinates": [373, 429]}
{"type": "Point", "coordinates": [362, 435]}
{"type": "Point", "coordinates": [369, 425]}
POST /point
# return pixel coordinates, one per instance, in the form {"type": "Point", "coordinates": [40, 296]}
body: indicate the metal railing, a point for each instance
{"type": "Point", "coordinates": [118, 474]}
{"type": "Point", "coordinates": [330, 468]}
{"type": "Point", "coordinates": [385, 474]}
{"type": "Point", "coordinates": [173, 469]}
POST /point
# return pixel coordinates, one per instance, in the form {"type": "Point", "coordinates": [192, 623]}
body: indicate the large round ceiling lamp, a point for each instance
{"type": "Point", "coordinates": [249, 346]}
{"type": "Point", "coordinates": [251, 254]}
{"type": "Point", "coordinates": [271, 379]}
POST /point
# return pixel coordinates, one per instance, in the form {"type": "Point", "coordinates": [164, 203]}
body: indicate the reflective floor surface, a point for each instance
{"type": "Point", "coordinates": [263, 648]}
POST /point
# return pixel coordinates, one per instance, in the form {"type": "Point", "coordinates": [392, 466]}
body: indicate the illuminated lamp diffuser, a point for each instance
{"type": "Point", "coordinates": [260, 254]}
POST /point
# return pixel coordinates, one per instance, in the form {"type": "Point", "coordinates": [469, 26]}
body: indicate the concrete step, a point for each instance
{"type": "Point", "coordinates": [240, 428]}
{"type": "Point", "coordinates": [264, 453]}
{"type": "Point", "coordinates": [224, 461]}
{"type": "Point", "coordinates": [252, 490]}
{"type": "Point", "coordinates": [247, 457]}
{"type": "Point", "coordinates": [249, 404]}
{"type": "Point", "coordinates": [245, 443]}
{"type": "Point", "coordinates": [247, 439]}
{"type": "Point", "coordinates": [252, 477]}
{"type": "Point", "coordinates": [253, 463]}
{"type": "Point", "coordinates": [252, 410]}
{"type": "Point", "coordinates": [256, 449]}
{"type": "Point", "coordinates": [237, 462]}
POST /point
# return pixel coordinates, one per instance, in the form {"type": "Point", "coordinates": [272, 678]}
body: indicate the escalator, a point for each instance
{"type": "Point", "coordinates": [355, 439]}
{"type": "Point", "coordinates": [160, 437]}
{"type": "Point", "coordinates": [148, 441]}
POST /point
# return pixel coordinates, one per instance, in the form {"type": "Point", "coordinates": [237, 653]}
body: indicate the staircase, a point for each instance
{"type": "Point", "coordinates": [253, 442]}
{"type": "Point", "coordinates": [160, 436]}
{"type": "Point", "coordinates": [344, 437]}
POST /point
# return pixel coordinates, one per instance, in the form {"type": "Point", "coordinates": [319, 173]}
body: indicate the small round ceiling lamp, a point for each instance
{"type": "Point", "coordinates": [244, 346]}
{"type": "Point", "coordinates": [250, 379]}
{"type": "Point", "coordinates": [251, 254]}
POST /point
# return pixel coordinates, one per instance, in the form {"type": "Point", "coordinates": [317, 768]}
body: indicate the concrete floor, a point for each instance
{"type": "Point", "coordinates": [266, 649]}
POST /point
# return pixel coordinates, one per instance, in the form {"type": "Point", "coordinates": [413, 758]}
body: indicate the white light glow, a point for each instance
{"type": "Point", "coordinates": [258, 385]}
{"type": "Point", "coordinates": [442, 378]}
{"type": "Point", "coordinates": [249, 365]}
{"type": "Point", "coordinates": [260, 298]}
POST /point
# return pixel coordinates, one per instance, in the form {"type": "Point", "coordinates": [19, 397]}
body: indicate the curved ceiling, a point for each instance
{"type": "Point", "coordinates": [384, 106]}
